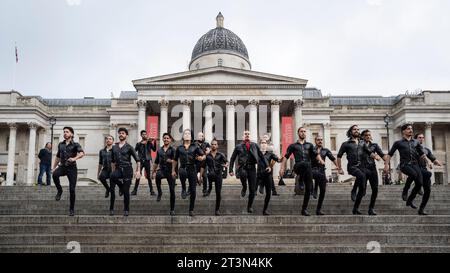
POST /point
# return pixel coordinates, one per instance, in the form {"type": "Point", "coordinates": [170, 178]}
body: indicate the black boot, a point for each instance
{"type": "Point", "coordinates": [305, 213]}
{"type": "Point", "coordinates": [372, 212]}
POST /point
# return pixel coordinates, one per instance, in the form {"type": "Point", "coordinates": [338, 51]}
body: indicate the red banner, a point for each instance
{"type": "Point", "coordinates": [287, 134]}
{"type": "Point", "coordinates": [152, 129]}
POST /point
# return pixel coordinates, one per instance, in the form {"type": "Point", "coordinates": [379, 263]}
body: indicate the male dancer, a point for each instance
{"type": "Point", "coordinates": [188, 153]}
{"type": "Point", "coordinates": [65, 164]}
{"type": "Point", "coordinates": [206, 148]}
{"type": "Point", "coordinates": [144, 149]}
{"type": "Point", "coordinates": [248, 155]}
{"type": "Point", "coordinates": [370, 166]}
{"type": "Point", "coordinates": [318, 172]}
{"type": "Point", "coordinates": [304, 153]}
{"type": "Point", "coordinates": [423, 163]}
{"type": "Point", "coordinates": [215, 162]}
{"type": "Point", "coordinates": [162, 169]}
{"type": "Point", "coordinates": [265, 179]}
{"type": "Point", "coordinates": [411, 152]}
{"type": "Point", "coordinates": [104, 163]}
{"type": "Point", "coordinates": [355, 149]}
{"type": "Point", "coordinates": [122, 169]}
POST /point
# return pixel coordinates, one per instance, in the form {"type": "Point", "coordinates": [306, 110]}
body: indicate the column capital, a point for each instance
{"type": "Point", "coordinates": [163, 103]}
{"type": "Point", "coordinates": [306, 124]}
{"type": "Point", "coordinates": [186, 102]}
{"type": "Point", "coordinates": [141, 103]}
{"type": "Point", "coordinates": [275, 102]}
{"type": "Point", "coordinates": [327, 125]}
{"type": "Point", "coordinates": [253, 102]}
{"type": "Point", "coordinates": [208, 102]}
{"type": "Point", "coordinates": [32, 125]}
{"type": "Point", "coordinates": [428, 125]}
{"type": "Point", "coordinates": [132, 125]}
{"type": "Point", "coordinates": [12, 125]}
{"type": "Point", "coordinates": [231, 102]}
{"type": "Point", "coordinates": [298, 103]}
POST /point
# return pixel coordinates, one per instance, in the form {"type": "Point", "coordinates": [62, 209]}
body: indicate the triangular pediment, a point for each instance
{"type": "Point", "coordinates": [219, 75]}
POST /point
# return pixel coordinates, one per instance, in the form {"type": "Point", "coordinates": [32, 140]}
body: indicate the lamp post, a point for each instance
{"type": "Point", "coordinates": [52, 123]}
{"type": "Point", "coordinates": [387, 119]}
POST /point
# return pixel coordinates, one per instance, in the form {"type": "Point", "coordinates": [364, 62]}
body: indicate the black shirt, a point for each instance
{"type": "Point", "coordinates": [144, 150]}
{"type": "Point", "coordinates": [410, 151]}
{"type": "Point", "coordinates": [423, 162]}
{"type": "Point", "coordinates": [247, 158]}
{"type": "Point", "coordinates": [355, 152]}
{"type": "Point", "coordinates": [162, 157]}
{"type": "Point", "coordinates": [122, 156]}
{"type": "Point", "coordinates": [215, 164]}
{"type": "Point", "coordinates": [269, 157]}
{"type": "Point", "coordinates": [66, 151]}
{"type": "Point", "coordinates": [368, 161]}
{"type": "Point", "coordinates": [324, 153]}
{"type": "Point", "coordinates": [187, 157]}
{"type": "Point", "coordinates": [104, 158]}
{"type": "Point", "coordinates": [303, 153]}
{"type": "Point", "coordinates": [45, 156]}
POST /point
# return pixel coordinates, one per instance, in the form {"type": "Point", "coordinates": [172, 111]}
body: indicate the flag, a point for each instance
{"type": "Point", "coordinates": [17, 56]}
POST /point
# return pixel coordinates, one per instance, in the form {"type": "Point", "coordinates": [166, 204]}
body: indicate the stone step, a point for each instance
{"type": "Point", "coordinates": [161, 229]}
{"type": "Point", "coordinates": [242, 219]}
{"type": "Point", "coordinates": [222, 239]}
{"type": "Point", "coordinates": [247, 248]}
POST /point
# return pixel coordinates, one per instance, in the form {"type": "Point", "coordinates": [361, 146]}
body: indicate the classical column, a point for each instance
{"type": "Point", "coordinates": [429, 144]}
{"type": "Point", "coordinates": [142, 105]}
{"type": "Point", "coordinates": [253, 120]}
{"type": "Point", "coordinates": [208, 120]}
{"type": "Point", "coordinates": [113, 131]}
{"type": "Point", "coordinates": [186, 114]}
{"type": "Point", "coordinates": [164, 112]}
{"type": "Point", "coordinates": [231, 134]}
{"type": "Point", "coordinates": [298, 116]}
{"type": "Point", "coordinates": [31, 153]}
{"type": "Point", "coordinates": [275, 122]}
{"type": "Point", "coordinates": [11, 154]}
{"type": "Point", "coordinates": [326, 135]}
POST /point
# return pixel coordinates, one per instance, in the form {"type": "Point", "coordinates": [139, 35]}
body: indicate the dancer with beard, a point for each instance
{"type": "Point", "coordinates": [104, 164]}
{"type": "Point", "coordinates": [206, 148]}
{"type": "Point", "coordinates": [265, 179]}
{"type": "Point", "coordinates": [143, 150]}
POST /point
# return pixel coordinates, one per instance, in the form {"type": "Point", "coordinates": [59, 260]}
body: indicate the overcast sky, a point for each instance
{"type": "Point", "coordinates": [76, 48]}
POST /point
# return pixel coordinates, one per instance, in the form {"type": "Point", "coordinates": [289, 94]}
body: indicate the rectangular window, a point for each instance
{"type": "Point", "coordinates": [384, 143]}
{"type": "Point", "coordinates": [333, 143]}
{"type": "Point", "coordinates": [82, 141]}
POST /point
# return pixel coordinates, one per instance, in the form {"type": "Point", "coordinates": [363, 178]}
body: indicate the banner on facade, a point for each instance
{"type": "Point", "coordinates": [152, 130]}
{"type": "Point", "coordinates": [287, 134]}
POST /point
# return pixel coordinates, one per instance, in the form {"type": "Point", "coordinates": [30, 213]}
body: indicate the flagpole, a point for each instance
{"type": "Point", "coordinates": [15, 68]}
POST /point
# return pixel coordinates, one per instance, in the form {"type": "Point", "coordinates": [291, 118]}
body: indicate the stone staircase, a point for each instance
{"type": "Point", "coordinates": [31, 221]}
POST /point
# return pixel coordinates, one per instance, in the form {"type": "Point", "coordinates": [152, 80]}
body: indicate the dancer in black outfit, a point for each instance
{"type": "Point", "coordinates": [265, 179]}
{"type": "Point", "coordinates": [411, 152]}
{"type": "Point", "coordinates": [304, 153]}
{"type": "Point", "coordinates": [248, 155]}
{"type": "Point", "coordinates": [144, 149]}
{"type": "Point", "coordinates": [215, 162]}
{"type": "Point", "coordinates": [355, 149]}
{"type": "Point", "coordinates": [104, 164]}
{"type": "Point", "coordinates": [66, 165]}
{"type": "Point", "coordinates": [162, 169]}
{"type": "Point", "coordinates": [318, 172]}
{"type": "Point", "coordinates": [423, 163]}
{"type": "Point", "coordinates": [206, 148]}
{"type": "Point", "coordinates": [371, 167]}
{"type": "Point", "coordinates": [188, 153]}
{"type": "Point", "coordinates": [122, 152]}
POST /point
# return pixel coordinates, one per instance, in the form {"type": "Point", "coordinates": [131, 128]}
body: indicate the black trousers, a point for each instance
{"type": "Point", "coordinates": [248, 179]}
{"type": "Point", "coordinates": [207, 185]}
{"type": "Point", "coordinates": [217, 179]}
{"type": "Point", "coordinates": [189, 173]}
{"type": "Point", "coordinates": [161, 174]}
{"type": "Point", "coordinates": [320, 182]}
{"type": "Point", "coordinates": [304, 173]}
{"type": "Point", "coordinates": [71, 172]}
{"type": "Point", "coordinates": [126, 175]}
{"type": "Point", "coordinates": [105, 174]}
{"type": "Point", "coordinates": [272, 184]}
{"type": "Point", "coordinates": [145, 165]}
{"type": "Point", "coordinates": [372, 176]}
{"type": "Point", "coordinates": [421, 177]}
{"type": "Point", "coordinates": [265, 180]}
{"type": "Point", "coordinates": [360, 184]}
